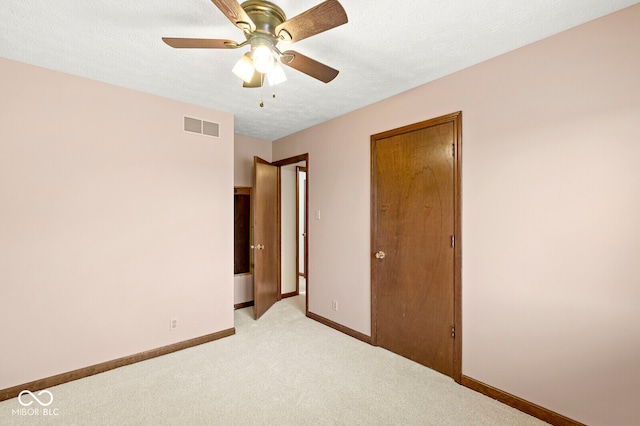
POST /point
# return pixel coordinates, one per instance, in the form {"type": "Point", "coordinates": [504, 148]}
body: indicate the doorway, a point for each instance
{"type": "Point", "coordinates": [301, 228]}
{"type": "Point", "coordinates": [293, 228]}
{"type": "Point", "coordinates": [415, 234]}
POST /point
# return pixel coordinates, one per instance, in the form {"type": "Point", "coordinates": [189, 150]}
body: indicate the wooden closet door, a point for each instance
{"type": "Point", "coordinates": [413, 224]}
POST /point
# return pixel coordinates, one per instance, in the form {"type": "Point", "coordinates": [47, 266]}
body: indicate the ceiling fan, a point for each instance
{"type": "Point", "coordinates": [265, 25]}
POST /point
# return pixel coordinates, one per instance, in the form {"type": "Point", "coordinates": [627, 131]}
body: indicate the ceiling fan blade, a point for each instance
{"type": "Point", "coordinates": [309, 66]}
{"type": "Point", "coordinates": [256, 81]}
{"type": "Point", "coordinates": [236, 14]}
{"type": "Point", "coordinates": [199, 43]}
{"type": "Point", "coordinates": [328, 14]}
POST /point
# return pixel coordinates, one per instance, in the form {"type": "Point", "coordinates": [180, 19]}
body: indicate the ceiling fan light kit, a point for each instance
{"type": "Point", "coordinates": [244, 68]}
{"type": "Point", "coordinates": [276, 75]}
{"type": "Point", "coordinates": [265, 25]}
{"type": "Point", "coordinates": [262, 58]}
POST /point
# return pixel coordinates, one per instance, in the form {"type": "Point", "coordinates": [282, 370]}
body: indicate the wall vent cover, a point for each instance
{"type": "Point", "coordinates": [207, 128]}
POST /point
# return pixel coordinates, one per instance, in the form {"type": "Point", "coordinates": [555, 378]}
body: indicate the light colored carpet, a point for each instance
{"type": "Point", "coordinates": [284, 369]}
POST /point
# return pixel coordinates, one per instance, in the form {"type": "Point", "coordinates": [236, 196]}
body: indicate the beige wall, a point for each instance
{"type": "Point", "coordinates": [113, 221]}
{"type": "Point", "coordinates": [551, 235]}
{"type": "Point", "coordinates": [245, 148]}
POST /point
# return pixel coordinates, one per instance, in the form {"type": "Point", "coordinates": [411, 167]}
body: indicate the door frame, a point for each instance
{"type": "Point", "coordinates": [456, 119]}
{"type": "Point", "coordinates": [285, 162]}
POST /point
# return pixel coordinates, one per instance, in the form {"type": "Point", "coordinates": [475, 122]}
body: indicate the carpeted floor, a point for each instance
{"type": "Point", "coordinates": [284, 369]}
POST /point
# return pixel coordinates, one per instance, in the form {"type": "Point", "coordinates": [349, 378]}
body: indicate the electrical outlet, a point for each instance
{"type": "Point", "coordinates": [173, 324]}
{"type": "Point", "coordinates": [334, 305]}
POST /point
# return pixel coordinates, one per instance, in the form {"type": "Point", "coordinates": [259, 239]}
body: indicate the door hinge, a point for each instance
{"type": "Point", "coordinates": [453, 149]}
{"type": "Point", "coordinates": [453, 331]}
{"type": "Point", "coordinates": [453, 241]}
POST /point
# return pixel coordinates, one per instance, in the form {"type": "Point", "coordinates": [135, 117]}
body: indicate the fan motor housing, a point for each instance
{"type": "Point", "coordinates": [265, 15]}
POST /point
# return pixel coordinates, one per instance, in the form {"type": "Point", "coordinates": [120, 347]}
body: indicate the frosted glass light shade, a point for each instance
{"type": "Point", "coordinates": [276, 75]}
{"type": "Point", "coordinates": [263, 59]}
{"type": "Point", "coordinates": [244, 68]}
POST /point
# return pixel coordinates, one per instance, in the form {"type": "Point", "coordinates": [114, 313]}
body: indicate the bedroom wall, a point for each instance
{"type": "Point", "coordinates": [113, 221]}
{"type": "Point", "coordinates": [550, 199]}
{"type": "Point", "coordinates": [245, 148]}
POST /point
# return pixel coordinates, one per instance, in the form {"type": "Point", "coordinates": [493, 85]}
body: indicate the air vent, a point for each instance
{"type": "Point", "coordinates": [210, 129]}
{"type": "Point", "coordinates": [207, 128]}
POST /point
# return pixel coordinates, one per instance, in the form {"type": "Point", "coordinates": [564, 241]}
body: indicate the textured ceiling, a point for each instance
{"type": "Point", "coordinates": [388, 47]}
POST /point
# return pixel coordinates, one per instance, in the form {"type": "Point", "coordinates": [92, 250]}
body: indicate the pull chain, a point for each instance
{"type": "Point", "coordinates": [273, 95]}
{"type": "Point", "coordinates": [261, 91]}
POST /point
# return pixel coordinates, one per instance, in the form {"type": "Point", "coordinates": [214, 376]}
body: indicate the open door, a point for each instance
{"type": "Point", "coordinates": [266, 234]}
